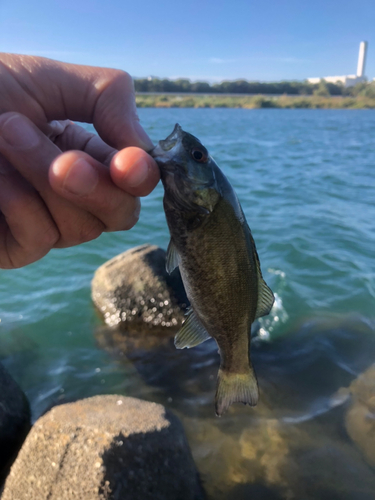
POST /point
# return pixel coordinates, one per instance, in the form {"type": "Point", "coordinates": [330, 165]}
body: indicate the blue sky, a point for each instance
{"type": "Point", "coordinates": [207, 40]}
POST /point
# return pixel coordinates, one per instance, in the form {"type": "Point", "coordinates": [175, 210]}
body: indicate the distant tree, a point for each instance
{"type": "Point", "coordinates": [203, 87]}
{"type": "Point", "coordinates": [369, 90]}
{"type": "Point", "coordinates": [335, 88]}
{"type": "Point", "coordinates": [356, 90]}
{"type": "Point", "coordinates": [322, 89]}
{"type": "Point", "coordinates": [183, 85]}
{"type": "Point", "coordinates": [242, 86]}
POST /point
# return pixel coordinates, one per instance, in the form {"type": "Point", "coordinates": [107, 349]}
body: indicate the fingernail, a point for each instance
{"type": "Point", "coordinates": [81, 179]}
{"type": "Point", "coordinates": [145, 141]}
{"type": "Point", "coordinates": [137, 174]}
{"type": "Point", "coordinates": [18, 133]}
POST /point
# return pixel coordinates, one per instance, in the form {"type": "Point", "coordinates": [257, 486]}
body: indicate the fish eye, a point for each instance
{"type": "Point", "coordinates": [199, 155]}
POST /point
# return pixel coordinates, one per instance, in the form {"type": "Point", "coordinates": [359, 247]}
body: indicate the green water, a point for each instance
{"type": "Point", "coordinates": [306, 181]}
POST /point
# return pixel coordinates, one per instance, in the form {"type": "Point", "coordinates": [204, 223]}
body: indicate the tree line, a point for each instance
{"type": "Point", "coordinates": [184, 85]}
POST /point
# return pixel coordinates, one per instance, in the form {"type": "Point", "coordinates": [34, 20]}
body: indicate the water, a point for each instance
{"type": "Point", "coordinates": [306, 181]}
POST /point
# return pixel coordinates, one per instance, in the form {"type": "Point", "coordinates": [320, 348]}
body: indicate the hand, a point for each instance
{"type": "Point", "coordinates": [60, 185]}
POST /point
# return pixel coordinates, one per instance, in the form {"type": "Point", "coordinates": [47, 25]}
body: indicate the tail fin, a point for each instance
{"type": "Point", "coordinates": [235, 388]}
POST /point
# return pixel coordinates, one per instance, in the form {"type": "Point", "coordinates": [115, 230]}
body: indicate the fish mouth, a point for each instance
{"type": "Point", "coordinates": [170, 142]}
{"type": "Point", "coordinates": [164, 146]}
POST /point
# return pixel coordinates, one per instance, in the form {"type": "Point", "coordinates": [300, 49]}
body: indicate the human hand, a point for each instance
{"type": "Point", "coordinates": [60, 185]}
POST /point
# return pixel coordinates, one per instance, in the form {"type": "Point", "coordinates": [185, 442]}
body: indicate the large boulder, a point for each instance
{"type": "Point", "coordinates": [134, 291]}
{"type": "Point", "coordinates": [14, 420]}
{"type": "Point", "coordinates": [105, 447]}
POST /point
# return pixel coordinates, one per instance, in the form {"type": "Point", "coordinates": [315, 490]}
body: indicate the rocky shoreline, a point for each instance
{"type": "Point", "coordinates": [117, 447]}
{"type": "Point", "coordinates": [107, 446]}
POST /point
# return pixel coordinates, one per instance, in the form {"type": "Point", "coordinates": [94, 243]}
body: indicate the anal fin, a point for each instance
{"type": "Point", "coordinates": [191, 333]}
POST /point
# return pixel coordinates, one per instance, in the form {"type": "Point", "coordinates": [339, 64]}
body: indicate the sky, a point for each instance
{"type": "Point", "coordinates": [210, 40]}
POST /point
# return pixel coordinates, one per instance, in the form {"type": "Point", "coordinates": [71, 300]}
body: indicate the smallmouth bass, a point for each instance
{"type": "Point", "coordinates": [212, 244]}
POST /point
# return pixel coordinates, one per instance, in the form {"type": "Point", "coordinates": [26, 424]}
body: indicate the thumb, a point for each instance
{"type": "Point", "coordinates": [115, 117]}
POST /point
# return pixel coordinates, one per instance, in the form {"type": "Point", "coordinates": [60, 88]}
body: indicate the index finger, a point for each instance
{"type": "Point", "coordinates": [60, 91]}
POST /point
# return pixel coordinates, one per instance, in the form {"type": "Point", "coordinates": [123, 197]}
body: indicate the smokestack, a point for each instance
{"type": "Point", "coordinates": [362, 59]}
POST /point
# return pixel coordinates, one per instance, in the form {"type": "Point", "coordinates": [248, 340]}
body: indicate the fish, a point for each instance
{"type": "Point", "coordinates": [213, 247]}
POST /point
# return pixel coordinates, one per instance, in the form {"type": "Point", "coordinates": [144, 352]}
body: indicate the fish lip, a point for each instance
{"type": "Point", "coordinates": [165, 145]}
{"type": "Point", "coordinates": [169, 142]}
{"type": "Point", "coordinates": [161, 152]}
{"type": "Point", "coordinates": [160, 156]}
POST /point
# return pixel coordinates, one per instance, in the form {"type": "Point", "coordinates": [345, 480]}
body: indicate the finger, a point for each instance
{"type": "Point", "coordinates": [27, 231]}
{"type": "Point", "coordinates": [104, 97]}
{"type": "Point", "coordinates": [31, 153]}
{"type": "Point", "coordinates": [134, 171]}
{"type": "Point", "coordinates": [71, 136]}
{"type": "Point", "coordinates": [85, 182]}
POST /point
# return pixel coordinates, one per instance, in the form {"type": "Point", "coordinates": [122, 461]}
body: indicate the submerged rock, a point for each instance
{"type": "Point", "coordinates": [277, 460]}
{"type": "Point", "coordinates": [105, 447]}
{"type": "Point", "coordinates": [134, 290]}
{"type": "Point", "coordinates": [360, 418]}
{"type": "Point", "coordinates": [14, 420]}
{"type": "Point", "coordinates": [260, 455]}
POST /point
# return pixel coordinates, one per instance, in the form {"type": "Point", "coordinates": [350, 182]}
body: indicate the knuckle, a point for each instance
{"type": "Point", "coordinates": [117, 213]}
{"type": "Point", "coordinates": [112, 79]}
{"type": "Point", "coordinates": [90, 230]}
{"type": "Point", "coordinates": [108, 203]}
{"type": "Point", "coordinates": [133, 216]}
{"type": "Point", "coordinates": [120, 212]}
{"type": "Point", "coordinates": [5, 117]}
{"type": "Point", "coordinates": [25, 204]}
{"type": "Point", "coordinates": [49, 237]}
{"type": "Point", "coordinates": [5, 120]}
{"type": "Point", "coordinates": [46, 233]}
{"type": "Point", "coordinates": [112, 205]}
{"type": "Point", "coordinates": [122, 78]}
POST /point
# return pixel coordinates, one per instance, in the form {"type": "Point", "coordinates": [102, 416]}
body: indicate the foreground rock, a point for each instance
{"type": "Point", "coordinates": [14, 420]}
{"type": "Point", "coordinates": [105, 447]}
{"type": "Point", "coordinates": [360, 419]}
{"type": "Point", "coordinates": [133, 289]}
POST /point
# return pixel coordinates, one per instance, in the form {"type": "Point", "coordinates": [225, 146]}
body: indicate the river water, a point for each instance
{"type": "Point", "coordinates": [306, 182]}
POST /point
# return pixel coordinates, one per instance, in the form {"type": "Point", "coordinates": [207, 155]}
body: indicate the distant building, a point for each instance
{"type": "Point", "coordinates": [349, 80]}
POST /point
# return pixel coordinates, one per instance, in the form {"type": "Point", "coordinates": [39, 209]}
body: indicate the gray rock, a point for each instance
{"type": "Point", "coordinates": [134, 291]}
{"type": "Point", "coordinates": [105, 447]}
{"type": "Point", "coordinates": [14, 420]}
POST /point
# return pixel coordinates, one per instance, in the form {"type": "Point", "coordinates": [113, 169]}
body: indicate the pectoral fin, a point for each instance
{"type": "Point", "coordinates": [172, 258]}
{"type": "Point", "coordinates": [192, 332]}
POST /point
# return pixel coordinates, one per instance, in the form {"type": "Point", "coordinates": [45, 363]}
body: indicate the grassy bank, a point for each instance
{"type": "Point", "coordinates": [254, 102]}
